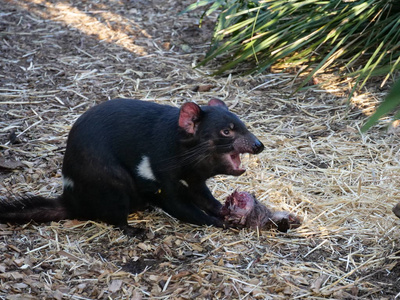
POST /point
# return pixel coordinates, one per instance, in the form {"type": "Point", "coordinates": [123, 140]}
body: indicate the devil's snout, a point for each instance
{"type": "Point", "coordinates": [257, 147]}
{"type": "Point", "coordinates": [248, 143]}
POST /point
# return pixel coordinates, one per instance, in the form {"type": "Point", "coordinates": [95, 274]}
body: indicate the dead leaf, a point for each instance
{"type": "Point", "coordinates": [144, 247]}
{"type": "Point", "coordinates": [19, 285]}
{"type": "Point", "coordinates": [196, 247]}
{"type": "Point", "coordinates": [12, 247]}
{"type": "Point", "coordinates": [73, 223]}
{"type": "Point", "coordinates": [19, 261]}
{"type": "Point", "coordinates": [115, 285]}
{"type": "Point", "coordinates": [154, 278]}
{"type": "Point", "coordinates": [136, 295]}
{"type": "Point", "coordinates": [20, 297]}
{"type": "Point", "coordinates": [316, 284]}
{"type": "Point", "coordinates": [10, 164]}
{"type": "Point", "coordinates": [203, 88]}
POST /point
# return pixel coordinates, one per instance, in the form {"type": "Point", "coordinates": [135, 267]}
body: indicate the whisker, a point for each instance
{"type": "Point", "coordinates": [193, 155]}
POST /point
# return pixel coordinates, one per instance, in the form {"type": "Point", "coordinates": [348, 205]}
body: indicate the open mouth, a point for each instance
{"type": "Point", "coordinates": [233, 158]}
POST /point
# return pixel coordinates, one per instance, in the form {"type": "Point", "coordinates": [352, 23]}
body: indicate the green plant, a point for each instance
{"type": "Point", "coordinates": [361, 36]}
{"type": "Point", "coordinates": [391, 102]}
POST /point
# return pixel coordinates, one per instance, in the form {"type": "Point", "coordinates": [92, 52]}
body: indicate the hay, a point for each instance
{"type": "Point", "coordinates": [60, 59]}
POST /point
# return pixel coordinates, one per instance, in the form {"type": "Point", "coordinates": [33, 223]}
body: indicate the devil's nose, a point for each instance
{"type": "Point", "coordinates": [258, 147]}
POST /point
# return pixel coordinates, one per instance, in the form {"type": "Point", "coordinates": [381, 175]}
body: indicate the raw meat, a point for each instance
{"type": "Point", "coordinates": [242, 209]}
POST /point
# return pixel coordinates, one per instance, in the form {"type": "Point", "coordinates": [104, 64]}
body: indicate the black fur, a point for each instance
{"type": "Point", "coordinates": [35, 208]}
{"type": "Point", "coordinates": [110, 143]}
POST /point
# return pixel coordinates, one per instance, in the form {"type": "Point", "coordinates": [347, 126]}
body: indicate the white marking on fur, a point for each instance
{"type": "Point", "coordinates": [68, 183]}
{"type": "Point", "coordinates": [184, 182]}
{"type": "Point", "coordinates": [144, 169]}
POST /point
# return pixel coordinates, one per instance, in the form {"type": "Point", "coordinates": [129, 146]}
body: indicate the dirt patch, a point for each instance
{"type": "Point", "coordinates": [60, 58]}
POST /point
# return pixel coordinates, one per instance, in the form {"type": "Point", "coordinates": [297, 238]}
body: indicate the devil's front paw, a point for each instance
{"type": "Point", "coordinates": [220, 223]}
{"type": "Point", "coordinates": [215, 211]}
{"type": "Point", "coordinates": [130, 231]}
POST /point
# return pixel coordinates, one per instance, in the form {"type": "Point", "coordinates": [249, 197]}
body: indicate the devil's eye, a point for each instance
{"type": "Point", "coordinates": [226, 132]}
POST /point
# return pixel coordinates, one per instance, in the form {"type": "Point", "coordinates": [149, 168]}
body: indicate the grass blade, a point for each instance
{"type": "Point", "coordinates": [389, 104]}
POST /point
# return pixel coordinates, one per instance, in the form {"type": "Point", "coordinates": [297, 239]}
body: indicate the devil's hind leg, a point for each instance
{"type": "Point", "coordinates": [106, 203]}
{"type": "Point", "coordinates": [107, 195]}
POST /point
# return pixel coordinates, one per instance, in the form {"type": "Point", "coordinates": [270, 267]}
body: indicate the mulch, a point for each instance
{"type": "Point", "coordinates": [60, 58]}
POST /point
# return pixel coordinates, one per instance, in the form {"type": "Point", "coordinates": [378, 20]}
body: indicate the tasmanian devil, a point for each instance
{"type": "Point", "coordinates": [124, 155]}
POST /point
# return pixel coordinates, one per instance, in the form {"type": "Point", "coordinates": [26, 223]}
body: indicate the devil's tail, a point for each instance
{"type": "Point", "coordinates": [35, 208]}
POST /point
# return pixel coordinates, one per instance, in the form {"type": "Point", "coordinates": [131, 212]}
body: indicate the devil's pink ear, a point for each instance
{"type": "Point", "coordinates": [217, 102]}
{"type": "Point", "coordinates": [189, 116]}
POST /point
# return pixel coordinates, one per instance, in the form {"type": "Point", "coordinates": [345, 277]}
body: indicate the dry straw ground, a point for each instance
{"type": "Point", "coordinates": [58, 58]}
